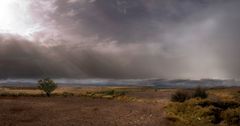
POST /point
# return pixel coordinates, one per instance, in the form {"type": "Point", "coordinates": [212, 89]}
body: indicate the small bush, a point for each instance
{"type": "Point", "coordinates": [180, 96]}
{"type": "Point", "coordinates": [112, 92]}
{"type": "Point", "coordinates": [216, 114]}
{"type": "Point", "coordinates": [200, 93]}
{"type": "Point", "coordinates": [120, 93]}
{"type": "Point", "coordinates": [67, 94]}
{"type": "Point", "coordinates": [189, 114]}
{"type": "Point", "coordinates": [220, 104]}
{"type": "Point", "coordinates": [207, 112]}
{"type": "Point", "coordinates": [7, 94]}
{"type": "Point", "coordinates": [47, 85]}
{"type": "Point", "coordinates": [232, 116]}
{"type": "Point", "coordinates": [172, 118]}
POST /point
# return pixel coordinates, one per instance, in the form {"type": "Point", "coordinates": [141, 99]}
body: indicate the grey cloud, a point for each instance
{"type": "Point", "coordinates": [128, 39]}
{"type": "Point", "coordinates": [123, 20]}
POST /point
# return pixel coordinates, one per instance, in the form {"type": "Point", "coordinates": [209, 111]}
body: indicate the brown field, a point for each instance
{"type": "Point", "coordinates": [99, 106]}
{"type": "Point", "coordinates": [139, 107]}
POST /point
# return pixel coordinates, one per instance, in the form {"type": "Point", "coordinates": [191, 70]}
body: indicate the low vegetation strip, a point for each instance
{"type": "Point", "coordinates": [107, 94]}
{"type": "Point", "coordinates": [7, 94]}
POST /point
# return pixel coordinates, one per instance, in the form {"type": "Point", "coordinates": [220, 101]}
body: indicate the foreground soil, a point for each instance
{"type": "Point", "coordinates": [79, 111]}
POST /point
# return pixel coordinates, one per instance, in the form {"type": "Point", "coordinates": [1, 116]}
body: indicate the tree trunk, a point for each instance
{"type": "Point", "coordinates": [48, 94]}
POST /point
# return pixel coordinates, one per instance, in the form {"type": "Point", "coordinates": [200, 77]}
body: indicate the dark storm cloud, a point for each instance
{"type": "Point", "coordinates": [22, 58]}
{"type": "Point", "coordinates": [127, 39]}
{"type": "Point", "coordinates": [124, 20]}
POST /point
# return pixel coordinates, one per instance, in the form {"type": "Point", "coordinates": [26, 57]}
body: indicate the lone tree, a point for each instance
{"type": "Point", "coordinates": [47, 85]}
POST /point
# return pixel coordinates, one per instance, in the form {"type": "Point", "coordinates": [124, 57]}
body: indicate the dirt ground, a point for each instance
{"type": "Point", "coordinates": [147, 110]}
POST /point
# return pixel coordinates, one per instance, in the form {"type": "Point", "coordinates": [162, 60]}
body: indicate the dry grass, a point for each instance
{"type": "Point", "coordinates": [221, 108]}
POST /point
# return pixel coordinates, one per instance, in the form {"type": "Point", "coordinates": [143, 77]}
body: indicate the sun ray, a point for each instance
{"type": "Point", "coordinates": [15, 18]}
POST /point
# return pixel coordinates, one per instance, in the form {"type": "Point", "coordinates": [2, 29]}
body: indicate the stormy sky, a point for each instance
{"type": "Point", "coordinates": [168, 39]}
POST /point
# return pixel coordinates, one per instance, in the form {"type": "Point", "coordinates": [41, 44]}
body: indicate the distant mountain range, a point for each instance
{"type": "Point", "coordinates": [158, 83]}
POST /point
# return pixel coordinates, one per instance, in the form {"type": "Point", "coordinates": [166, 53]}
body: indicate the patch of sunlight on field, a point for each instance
{"type": "Point", "coordinates": [17, 91]}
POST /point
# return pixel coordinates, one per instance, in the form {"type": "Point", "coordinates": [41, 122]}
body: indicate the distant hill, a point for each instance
{"type": "Point", "coordinates": [158, 83]}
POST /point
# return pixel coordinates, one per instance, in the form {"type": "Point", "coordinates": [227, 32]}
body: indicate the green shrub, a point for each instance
{"type": "Point", "coordinates": [229, 111]}
{"type": "Point", "coordinates": [110, 92]}
{"type": "Point", "coordinates": [7, 94]}
{"type": "Point", "coordinates": [220, 104]}
{"type": "Point", "coordinates": [207, 112]}
{"type": "Point", "coordinates": [189, 114]}
{"type": "Point", "coordinates": [215, 113]}
{"type": "Point", "coordinates": [232, 116]}
{"type": "Point", "coordinates": [180, 96]}
{"type": "Point", "coordinates": [120, 93]}
{"type": "Point", "coordinates": [67, 94]}
{"type": "Point", "coordinates": [113, 92]}
{"type": "Point", "coordinates": [47, 85]}
{"type": "Point", "coordinates": [200, 93]}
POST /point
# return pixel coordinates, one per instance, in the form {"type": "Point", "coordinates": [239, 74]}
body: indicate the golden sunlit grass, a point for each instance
{"type": "Point", "coordinates": [129, 94]}
{"type": "Point", "coordinates": [220, 108]}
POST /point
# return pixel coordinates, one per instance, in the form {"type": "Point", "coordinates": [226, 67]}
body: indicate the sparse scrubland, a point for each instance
{"type": "Point", "coordinates": [221, 107]}
{"type": "Point", "coordinates": [119, 106]}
